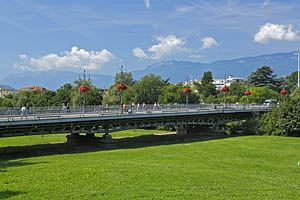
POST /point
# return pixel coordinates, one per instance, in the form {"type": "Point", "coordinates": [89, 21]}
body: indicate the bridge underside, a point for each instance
{"type": "Point", "coordinates": [118, 123]}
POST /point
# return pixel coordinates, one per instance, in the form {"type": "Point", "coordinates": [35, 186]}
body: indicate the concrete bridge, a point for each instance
{"type": "Point", "coordinates": [98, 119]}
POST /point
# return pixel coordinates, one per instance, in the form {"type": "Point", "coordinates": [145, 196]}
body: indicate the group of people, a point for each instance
{"type": "Point", "coordinates": [24, 110]}
{"type": "Point", "coordinates": [65, 108]}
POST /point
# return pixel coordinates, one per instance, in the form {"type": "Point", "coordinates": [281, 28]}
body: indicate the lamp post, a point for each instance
{"type": "Point", "coordinates": [121, 86]}
{"type": "Point", "coordinates": [83, 89]}
{"type": "Point", "coordinates": [298, 69]}
{"type": "Point", "coordinates": [247, 93]}
{"type": "Point", "coordinates": [187, 91]}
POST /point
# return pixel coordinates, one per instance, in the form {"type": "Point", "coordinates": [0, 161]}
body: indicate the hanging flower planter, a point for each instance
{"type": "Point", "coordinates": [187, 90]}
{"type": "Point", "coordinates": [225, 89]}
{"type": "Point", "coordinates": [121, 86]}
{"type": "Point", "coordinates": [283, 92]}
{"type": "Point", "coordinates": [247, 93]}
{"type": "Point", "coordinates": [84, 88]}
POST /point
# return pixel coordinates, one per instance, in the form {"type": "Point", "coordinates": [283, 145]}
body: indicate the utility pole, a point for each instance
{"type": "Point", "coordinates": [298, 69]}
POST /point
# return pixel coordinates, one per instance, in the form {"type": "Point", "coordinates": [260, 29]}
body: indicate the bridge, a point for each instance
{"type": "Point", "coordinates": [100, 119]}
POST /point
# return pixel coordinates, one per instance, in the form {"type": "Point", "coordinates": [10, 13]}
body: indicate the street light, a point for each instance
{"type": "Point", "coordinates": [298, 69]}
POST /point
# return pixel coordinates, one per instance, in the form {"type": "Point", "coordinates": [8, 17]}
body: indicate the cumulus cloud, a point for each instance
{"type": "Point", "coordinates": [208, 42]}
{"type": "Point", "coordinates": [147, 3]}
{"type": "Point", "coordinates": [167, 46]}
{"type": "Point", "coordinates": [76, 58]}
{"type": "Point", "coordinates": [270, 31]}
{"type": "Point", "coordinates": [138, 52]}
{"type": "Point", "coordinates": [266, 3]}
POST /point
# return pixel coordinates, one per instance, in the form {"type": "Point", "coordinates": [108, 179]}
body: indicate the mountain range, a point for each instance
{"type": "Point", "coordinates": [178, 71]}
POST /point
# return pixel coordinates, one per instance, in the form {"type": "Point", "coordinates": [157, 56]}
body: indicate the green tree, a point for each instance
{"type": "Point", "coordinates": [147, 90]}
{"type": "Point", "coordinates": [259, 95]}
{"type": "Point", "coordinates": [292, 81]}
{"type": "Point", "coordinates": [92, 97]}
{"type": "Point", "coordinates": [175, 94]}
{"type": "Point", "coordinates": [263, 77]}
{"type": "Point", "coordinates": [63, 94]}
{"type": "Point", "coordinates": [206, 88]}
{"type": "Point", "coordinates": [237, 89]}
{"type": "Point", "coordinates": [124, 77]}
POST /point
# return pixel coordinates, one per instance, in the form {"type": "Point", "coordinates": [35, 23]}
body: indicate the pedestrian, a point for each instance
{"type": "Point", "coordinates": [23, 111]}
{"type": "Point", "coordinates": [27, 109]}
{"type": "Point", "coordinates": [64, 108]}
{"type": "Point", "coordinates": [138, 106]}
{"type": "Point", "coordinates": [154, 106]}
{"type": "Point", "coordinates": [144, 106]}
{"type": "Point", "coordinates": [68, 107]}
{"type": "Point", "coordinates": [124, 107]}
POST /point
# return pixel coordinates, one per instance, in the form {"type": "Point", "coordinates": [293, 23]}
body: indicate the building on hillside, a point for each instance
{"type": "Point", "coordinates": [36, 88]}
{"type": "Point", "coordinates": [219, 83]}
{"type": "Point", "coordinates": [5, 91]}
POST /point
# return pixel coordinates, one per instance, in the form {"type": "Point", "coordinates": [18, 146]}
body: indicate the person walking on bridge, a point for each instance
{"type": "Point", "coordinates": [23, 111]}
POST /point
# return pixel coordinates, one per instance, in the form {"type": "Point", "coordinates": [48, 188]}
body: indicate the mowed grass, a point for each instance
{"type": "Point", "coordinates": [248, 167]}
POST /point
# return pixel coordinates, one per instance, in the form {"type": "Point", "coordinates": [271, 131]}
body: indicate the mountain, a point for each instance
{"type": "Point", "coordinates": [52, 79]}
{"type": "Point", "coordinates": [178, 71]}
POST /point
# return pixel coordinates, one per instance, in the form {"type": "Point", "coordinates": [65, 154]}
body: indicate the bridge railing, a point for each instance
{"type": "Point", "coordinates": [36, 113]}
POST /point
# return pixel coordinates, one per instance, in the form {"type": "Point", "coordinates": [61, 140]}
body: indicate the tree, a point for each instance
{"type": "Point", "coordinates": [283, 120]}
{"type": "Point", "coordinates": [63, 94]}
{"type": "Point", "coordinates": [124, 77]}
{"type": "Point", "coordinates": [92, 97]}
{"type": "Point", "coordinates": [147, 90]}
{"type": "Point", "coordinates": [291, 81]}
{"type": "Point", "coordinates": [175, 94]}
{"type": "Point", "coordinates": [263, 77]}
{"type": "Point", "coordinates": [237, 89]}
{"type": "Point", "coordinates": [259, 95]}
{"type": "Point", "coordinates": [206, 88]}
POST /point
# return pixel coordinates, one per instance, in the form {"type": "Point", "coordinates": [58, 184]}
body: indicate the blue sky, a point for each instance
{"type": "Point", "coordinates": [100, 36]}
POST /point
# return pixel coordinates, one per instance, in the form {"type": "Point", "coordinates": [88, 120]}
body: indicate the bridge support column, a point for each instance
{"type": "Point", "coordinates": [196, 130]}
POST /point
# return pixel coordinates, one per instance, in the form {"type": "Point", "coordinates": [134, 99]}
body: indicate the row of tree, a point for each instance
{"type": "Point", "coordinates": [263, 84]}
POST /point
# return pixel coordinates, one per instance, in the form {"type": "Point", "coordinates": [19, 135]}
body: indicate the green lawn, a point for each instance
{"type": "Point", "coordinates": [248, 167]}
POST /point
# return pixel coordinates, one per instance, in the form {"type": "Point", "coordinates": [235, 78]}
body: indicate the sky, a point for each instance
{"type": "Point", "coordinates": [100, 36]}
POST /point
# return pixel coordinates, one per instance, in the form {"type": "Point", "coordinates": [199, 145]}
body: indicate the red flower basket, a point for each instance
{"type": "Point", "coordinates": [247, 93]}
{"type": "Point", "coordinates": [121, 86]}
{"type": "Point", "coordinates": [225, 89]}
{"type": "Point", "coordinates": [283, 92]}
{"type": "Point", "coordinates": [187, 90]}
{"type": "Point", "coordinates": [84, 88]}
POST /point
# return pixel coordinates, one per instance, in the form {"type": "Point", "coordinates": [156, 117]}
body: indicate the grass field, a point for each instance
{"type": "Point", "coordinates": [248, 167]}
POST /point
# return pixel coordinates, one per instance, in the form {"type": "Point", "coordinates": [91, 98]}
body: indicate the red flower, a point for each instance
{"type": "Point", "coordinates": [247, 93]}
{"type": "Point", "coordinates": [121, 86]}
{"type": "Point", "coordinates": [225, 89]}
{"type": "Point", "coordinates": [187, 90]}
{"type": "Point", "coordinates": [283, 92]}
{"type": "Point", "coordinates": [84, 88]}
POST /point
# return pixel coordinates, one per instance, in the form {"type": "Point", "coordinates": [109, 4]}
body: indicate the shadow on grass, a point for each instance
{"type": "Point", "coordinates": [15, 152]}
{"type": "Point", "coordinates": [8, 194]}
{"type": "Point", "coordinates": [4, 164]}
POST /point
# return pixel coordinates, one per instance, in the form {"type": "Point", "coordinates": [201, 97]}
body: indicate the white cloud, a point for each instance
{"type": "Point", "coordinates": [147, 3]}
{"type": "Point", "coordinates": [23, 56]}
{"type": "Point", "coordinates": [76, 58]}
{"type": "Point", "coordinates": [270, 31]}
{"type": "Point", "coordinates": [197, 56]}
{"type": "Point", "coordinates": [182, 10]}
{"type": "Point", "coordinates": [139, 53]}
{"type": "Point", "coordinates": [208, 42]}
{"type": "Point", "coordinates": [266, 3]}
{"type": "Point", "coordinates": [167, 46]}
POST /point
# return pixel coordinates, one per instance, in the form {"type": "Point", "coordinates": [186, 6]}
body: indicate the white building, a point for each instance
{"type": "Point", "coordinates": [219, 83]}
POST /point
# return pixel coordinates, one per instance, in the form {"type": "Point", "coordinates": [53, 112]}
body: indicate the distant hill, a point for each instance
{"type": "Point", "coordinates": [52, 79]}
{"type": "Point", "coordinates": [177, 71]}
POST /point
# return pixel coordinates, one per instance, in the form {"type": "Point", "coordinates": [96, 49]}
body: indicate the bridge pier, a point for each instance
{"type": "Point", "coordinates": [198, 130]}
